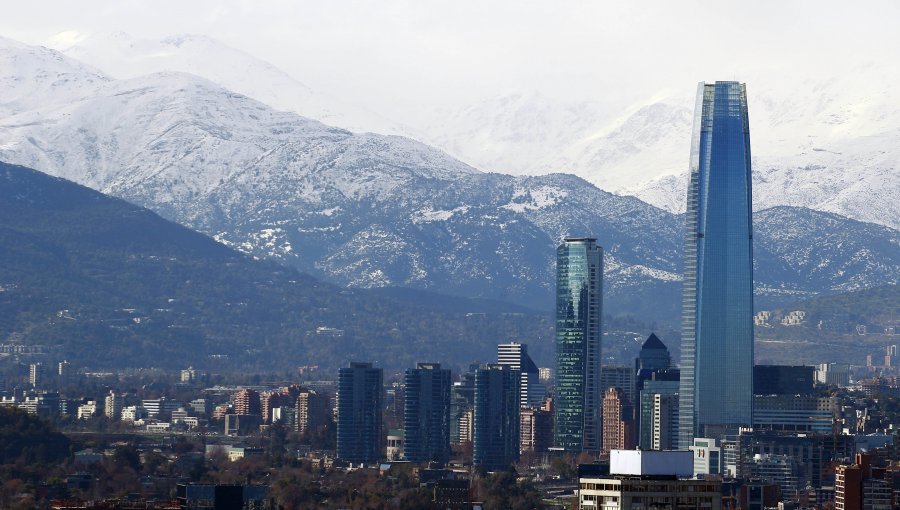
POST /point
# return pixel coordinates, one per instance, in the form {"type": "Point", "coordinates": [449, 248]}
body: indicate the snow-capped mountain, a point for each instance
{"type": "Point", "coordinates": [123, 56]}
{"type": "Point", "coordinates": [368, 210]}
{"type": "Point", "coordinates": [831, 145]}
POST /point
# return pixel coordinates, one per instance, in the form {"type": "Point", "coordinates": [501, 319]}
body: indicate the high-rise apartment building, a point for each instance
{"type": "Point", "coordinates": [426, 413]}
{"type": "Point", "coordinates": [312, 411]}
{"type": "Point", "coordinates": [36, 374]}
{"type": "Point", "coordinates": [112, 405]}
{"type": "Point", "coordinates": [516, 356]}
{"type": "Point", "coordinates": [717, 310]}
{"type": "Point", "coordinates": [618, 421]}
{"type": "Point", "coordinates": [247, 402]}
{"type": "Point", "coordinates": [535, 430]}
{"type": "Point", "coordinates": [359, 405]}
{"type": "Point", "coordinates": [496, 417]}
{"type": "Point", "coordinates": [579, 307]}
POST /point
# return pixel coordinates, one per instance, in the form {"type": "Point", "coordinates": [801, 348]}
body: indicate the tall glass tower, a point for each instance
{"type": "Point", "coordinates": [579, 305]}
{"type": "Point", "coordinates": [717, 311]}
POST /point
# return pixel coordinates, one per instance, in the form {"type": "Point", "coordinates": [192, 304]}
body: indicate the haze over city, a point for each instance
{"type": "Point", "coordinates": [449, 255]}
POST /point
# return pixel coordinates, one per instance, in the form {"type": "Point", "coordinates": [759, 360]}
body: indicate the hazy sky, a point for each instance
{"type": "Point", "coordinates": [402, 57]}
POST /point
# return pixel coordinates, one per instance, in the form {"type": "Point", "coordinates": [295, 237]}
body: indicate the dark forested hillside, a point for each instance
{"type": "Point", "coordinates": [107, 283]}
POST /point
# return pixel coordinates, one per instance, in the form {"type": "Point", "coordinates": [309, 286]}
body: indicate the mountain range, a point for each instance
{"type": "Point", "coordinates": [828, 144]}
{"type": "Point", "coordinates": [104, 283]}
{"type": "Point", "coordinates": [368, 210]}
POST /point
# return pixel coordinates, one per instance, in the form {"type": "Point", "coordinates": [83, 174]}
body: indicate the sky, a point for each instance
{"type": "Point", "coordinates": [401, 58]}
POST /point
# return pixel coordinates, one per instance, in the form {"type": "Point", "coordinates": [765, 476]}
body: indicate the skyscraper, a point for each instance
{"type": "Point", "coordinates": [496, 420]}
{"type": "Point", "coordinates": [426, 413]}
{"type": "Point", "coordinates": [516, 356]}
{"type": "Point", "coordinates": [579, 305]}
{"type": "Point", "coordinates": [717, 310]}
{"type": "Point", "coordinates": [359, 403]}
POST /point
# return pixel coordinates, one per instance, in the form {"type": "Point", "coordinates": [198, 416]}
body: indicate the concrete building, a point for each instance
{"type": "Point", "coordinates": [618, 421]}
{"type": "Point", "coordinates": [535, 430]}
{"type": "Point", "coordinates": [247, 402]}
{"type": "Point", "coordinates": [112, 405]}
{"type": "Point", "coordinates": [645, 480]}
{"type": "Point", "coordinates": [707, 456]}
{"type": "Point", "coordinates": [312, 411]}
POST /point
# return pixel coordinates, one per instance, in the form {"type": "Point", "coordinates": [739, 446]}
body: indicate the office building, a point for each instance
{"type": "Point", "coordinates": [707, 456]}
{"type": "Point", "coordinates": [643, 480]}
{"type": "Point", "coordinates": [579, 307]}
{"type": "Point", "coordinates": [359, 405]}
{"type": "Point", "coordinates": [833, 374]}
{"type": "Point", "coordinates": [717, 311]}
{"type": "Point", "coordinates": [794, 413]}
{"type": "Point", "coordinates": [619, 376]}
{"type": "Point", "coordinates": [618, 421]}
{"type": "Point", "coordinates": [426, 413]}
{"type": "Point", "coordinates": [783, 380]}
{"type": "Point", "coordinates": [658, 411]}
{"type": "Point", "coordinates": [516, 356]}
{"type": "Point", "coordinates": [496, 417]}
{"type": "Point", "coordinates": [653, 355]}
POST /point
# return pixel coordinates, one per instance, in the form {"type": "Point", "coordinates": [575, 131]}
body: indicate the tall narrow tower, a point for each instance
{"type": "Point", "coordinates": [717, 314]}
{"type": "Point", "coordinates": [579, 306]}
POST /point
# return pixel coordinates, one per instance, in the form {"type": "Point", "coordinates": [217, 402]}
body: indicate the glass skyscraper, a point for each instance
{"type": "Point", "coordinates": [717, 312]}
{"type": "Point", "coordinates": [579, 305]}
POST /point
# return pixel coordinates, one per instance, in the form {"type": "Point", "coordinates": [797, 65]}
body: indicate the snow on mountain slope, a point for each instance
{"type": "Point", "coordinates": [32, 75]}
{"type": "Point", "coordinates": [124, 56]}
{"type": "Point", "coordinates": [831, 144]}
{"type": "Point", "coordinates": [370, 210]}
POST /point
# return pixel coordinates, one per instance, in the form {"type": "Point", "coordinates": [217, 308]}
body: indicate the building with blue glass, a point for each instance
{"type": "Point", "coordinates": [716, 391]}
{"type": "Point", "coordinates": [579, 307]}
{"type": "Point", "coordinates": [360, 402]}
{"type": "Point", "coordinates": [426, 413]}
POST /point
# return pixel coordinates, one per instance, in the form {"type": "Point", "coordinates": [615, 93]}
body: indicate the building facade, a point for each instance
{"type": "Point", "coordinates": [426, 413]}
{"type": "Point", "coordinates": [579, 307]}
{"type": "Point", "coordinates": [717, 309]}
{"type": "Point", "coordinates": [360, 403]}
{"type": "Point", "coordinates": [496, 417]}
{"type": "Point", "coordinates": [618, 421]}
{"type": "Point", "coordinates": [516, 356]}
